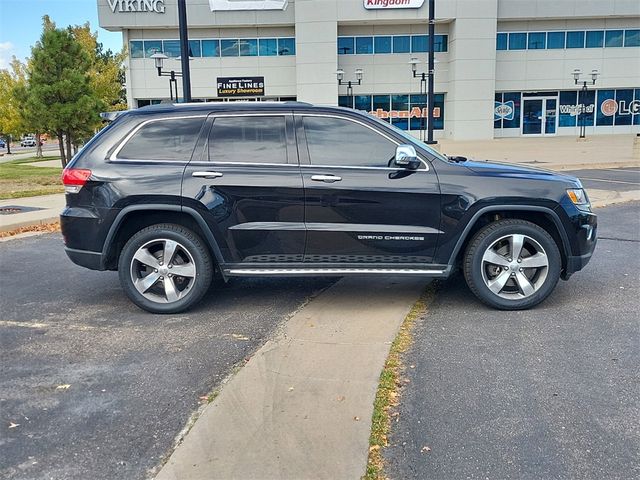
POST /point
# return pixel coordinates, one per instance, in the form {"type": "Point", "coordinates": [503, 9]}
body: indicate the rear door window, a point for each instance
{"type": "Point", "coordinates": [166, 139]}
{"type": "Point", "coordinates": [248, 139]}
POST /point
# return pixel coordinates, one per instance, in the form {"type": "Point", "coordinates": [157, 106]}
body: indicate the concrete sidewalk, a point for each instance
{"type": "Point", "coordinates": [37, 211]}
{"type": "Point", "coordinates": [555, 153]}
{"type": "Point", "coordinates": [301, 407]}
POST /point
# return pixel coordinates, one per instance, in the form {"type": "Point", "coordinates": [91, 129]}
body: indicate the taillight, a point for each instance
{"type": "Point", "coordinates": [74, 179]}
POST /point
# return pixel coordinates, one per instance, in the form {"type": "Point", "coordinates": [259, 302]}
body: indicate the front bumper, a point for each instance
{"type": "Point", "coordinates": [586, 238]}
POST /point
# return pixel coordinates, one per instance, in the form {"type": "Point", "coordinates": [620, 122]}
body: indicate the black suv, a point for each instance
{"type": "Point", "coordinates": [173, 195]}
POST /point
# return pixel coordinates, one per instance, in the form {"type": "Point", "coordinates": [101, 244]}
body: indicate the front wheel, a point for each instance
{"type": "Point", "coordinates": [165, 268]}
{"type": "Point", "coordinates": [512, 264]}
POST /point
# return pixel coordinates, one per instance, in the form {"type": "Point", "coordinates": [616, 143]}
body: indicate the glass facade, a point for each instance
{"type": "Point", "coordinates": [243, 47]}
{"type": "Point", "coordinates": [405, 111]}
{"type": "Point", "coordinates": [379, 44]}
{"type": "Point", "coordinates": [599, 107]}
{"type": "Point", "coordinates": [567, 39]}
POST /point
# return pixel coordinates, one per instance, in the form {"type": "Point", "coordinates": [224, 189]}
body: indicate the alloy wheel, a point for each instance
{"type": "Point", "coordinates": [163, 271]}
{"type": "Point", "coordinates": [514, 266]}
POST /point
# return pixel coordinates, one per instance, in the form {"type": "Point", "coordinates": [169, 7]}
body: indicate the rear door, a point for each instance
{"type": "Point", "coordinates": [360, 208]}
{"type": "Point", "coordinates": [247, 184]}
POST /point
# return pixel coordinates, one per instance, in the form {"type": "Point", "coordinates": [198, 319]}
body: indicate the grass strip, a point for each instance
{"type": "Point", "coordinates": [18, 180]}
{"type": "Point", "coordinates": [387, 395]}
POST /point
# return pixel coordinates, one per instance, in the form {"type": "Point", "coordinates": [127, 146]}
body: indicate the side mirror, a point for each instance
{"type": "Point", "coordinates": [406, 157]}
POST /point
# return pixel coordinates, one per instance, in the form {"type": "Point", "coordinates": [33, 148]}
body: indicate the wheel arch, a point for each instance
{"type": "Point", "coordinates": [136, 217]}
{"type": "Point", "coordinates": [544, 217]}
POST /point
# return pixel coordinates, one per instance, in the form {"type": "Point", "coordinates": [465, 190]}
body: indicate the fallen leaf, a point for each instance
{"type": "Point", "coordinates": [13, 425]}
{"type": "Point", "coordinates": [341, 398]}
{"type": "Point", "coordinates": [357, 419]}
{"type": "Point", "coordinates": [291, 389]}
{"type": "Point", "coordinates": [63, 387]}
{"type": "Point", "coordinates": [425, 449]}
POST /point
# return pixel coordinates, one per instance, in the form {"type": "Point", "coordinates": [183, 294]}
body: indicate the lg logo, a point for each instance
{"type": "Point", "coordinates": [610, 107]}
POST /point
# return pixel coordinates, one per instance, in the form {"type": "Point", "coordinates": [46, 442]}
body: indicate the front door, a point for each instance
{"type": "Point", "coordinates": [247, 185]}
{"type": "Point", "coordinates": [539, 116]}
{"type": "Point", "coordinates": [359, 208]}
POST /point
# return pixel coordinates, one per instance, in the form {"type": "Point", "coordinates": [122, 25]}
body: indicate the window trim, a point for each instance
{"type": "Point", "coordinates": [114, 156]}
{"type": "Point", "coordinates": [301, 116]}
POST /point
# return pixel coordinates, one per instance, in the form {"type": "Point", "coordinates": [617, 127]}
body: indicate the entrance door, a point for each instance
{"type": "Point", "coordinates": [539, 116]}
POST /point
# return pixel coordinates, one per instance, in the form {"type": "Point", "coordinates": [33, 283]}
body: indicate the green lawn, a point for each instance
{"type": "Point", "coordinates": [18, 180]}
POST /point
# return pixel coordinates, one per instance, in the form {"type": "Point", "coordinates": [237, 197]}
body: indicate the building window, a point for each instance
{"type": "Point", "coordinates": [286, 46]}
{"type": "Point", "coordinates": [229, 48]}
{"type": "Point", "coordinates": [248, 47]}
{"type": "Point", "coordinates": [403, 111]}
{"type": "Point", "coordinates": [402, 44]}
{"type": "Point", "coordinates": [555, 40]}
{"type": "Point", "coordinates": [382, 44]}
{"type": "Point", "coordinates": [195, 48]}
{"type": "Point", "coordinates": [441, 43]}
{"type": "Point", "coordinates": [143, 102]}
{"type": "Point", "coordinates": [419, 43]}
{"type": "Point", "coordinates": [268, 47]}
{"type": "Point", "coordinates": [536, 41]}
{"type": "Point", "coordinates": [632, 38]}
{"type": "Point", "coordinates": [517, 41]}
{"type": "Point", "coordinates": [364, 45]}
{"type": "Point", "coordinates": [151, 47]}
{"type": "Point", "coordinates": [210, 48]}
{"type": "Point", "coordinates": [171, 48]}
{"type": "Point", "coordinates": [136, 49]}
{"type": "Point", "coordinates": [595, 39]}
{"type": "Point", "coordinates": [613, 38]}
{"type": "Point", "coordinates": [575, 39]}
{"type": "Point", "coordinates": [501, 41]}
{"type": "Point", "coordinates": [346, 45]}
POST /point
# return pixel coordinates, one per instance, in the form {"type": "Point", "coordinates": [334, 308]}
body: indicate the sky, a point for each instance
{"type": "Point", "coordinates": [21, 24]}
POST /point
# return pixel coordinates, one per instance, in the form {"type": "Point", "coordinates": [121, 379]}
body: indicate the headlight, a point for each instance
{"type": "Point", "coordinates": [579, 198]}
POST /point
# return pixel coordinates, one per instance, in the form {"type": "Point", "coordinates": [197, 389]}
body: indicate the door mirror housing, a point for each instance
{"type": "Point", "coordinates": [406, 157]}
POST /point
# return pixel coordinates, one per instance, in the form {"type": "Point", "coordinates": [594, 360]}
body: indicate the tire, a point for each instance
{"type": "Point", "coordinates": [507, 283]}
{"type": "Point", "coordinates": [165, 290]}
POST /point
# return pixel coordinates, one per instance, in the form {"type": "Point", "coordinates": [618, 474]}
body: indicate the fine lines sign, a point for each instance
{"type": "Point", "coordinates": [391, 4]}
{"type": "Point", "coordinates": [240, 86]}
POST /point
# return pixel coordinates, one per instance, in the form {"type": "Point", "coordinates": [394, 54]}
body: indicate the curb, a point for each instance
{"type": "Point", "coordinates": [28, 223]}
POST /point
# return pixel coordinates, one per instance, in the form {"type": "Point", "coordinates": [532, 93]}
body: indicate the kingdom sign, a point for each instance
{"type": "Point", "coordinates": [391, 4]}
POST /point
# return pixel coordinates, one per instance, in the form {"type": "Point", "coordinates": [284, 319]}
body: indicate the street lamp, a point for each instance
{"type": "Point", "coordinates": [414, 62]}
{"type": "Point", "coordinates": [581, 97]}
{"type": "Point", "coordinates": [340, 76]}
{"type": "Point", "coordinates": [159, 59]}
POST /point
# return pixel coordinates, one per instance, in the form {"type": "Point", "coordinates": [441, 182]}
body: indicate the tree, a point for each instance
{"type": "Point", "coordinates": [59, 89]}
{"type": "Point", "coordinates": [11, 124]}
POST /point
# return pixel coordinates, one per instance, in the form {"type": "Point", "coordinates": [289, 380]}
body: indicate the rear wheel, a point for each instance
{"type": "Point", "coordinates": [165, 268]}
{"type": "Point", "coordinates": [512, 264]}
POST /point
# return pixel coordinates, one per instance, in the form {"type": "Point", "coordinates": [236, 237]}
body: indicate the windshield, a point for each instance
{"type": "Point", "coordinates": [413, 140]}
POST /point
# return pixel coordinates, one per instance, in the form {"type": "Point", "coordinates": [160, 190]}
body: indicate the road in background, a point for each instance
{"type": "Point", "coordinates": [549, 393]}
{"type": "Point", "coordinates": [93, 387]}
{"type": "Point", "coordinates": [618, 179]}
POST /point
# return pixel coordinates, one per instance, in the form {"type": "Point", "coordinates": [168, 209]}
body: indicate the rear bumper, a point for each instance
{"type": "Point", "coordinates": [85, 258]}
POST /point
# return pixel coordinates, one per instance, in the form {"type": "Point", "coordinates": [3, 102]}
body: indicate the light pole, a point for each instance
{"type": "Point", "coordinates": [341, 81]}
{"type": "Point", "coordinates": [581, 97]}
{"type": "Point", "coordinates": [184, 48]}
{"type": "Point", "coordinates": [414, 62]}
{"type": "Point", "coordinates": [159, 59]}
{"type": "Point", "coordinates": [431, 68]}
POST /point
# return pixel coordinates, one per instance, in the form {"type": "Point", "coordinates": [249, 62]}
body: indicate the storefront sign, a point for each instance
{"type": "Point", "coordinates": [156, 6]}
{"type": "Point", "coordinates": [504, 110]}
{"type": "Point", "coordinates": [415, 112]}
{"type": "Point", "coordinates": [575, 110]}
{"type": "Point", "coordinates": [233, 5]}
{"type": "Point", "coordinates": [610, 107]}
{"type": "Point", "coordinates": [391, 4]}
{"type": "Point", "coordinates": [240, 86]}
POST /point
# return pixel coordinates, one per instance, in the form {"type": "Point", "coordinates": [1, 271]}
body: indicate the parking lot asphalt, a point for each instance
{"type": "Point", "coordinates": [551, 393]}
{"type": "Point", "coordinates": [91, 386]}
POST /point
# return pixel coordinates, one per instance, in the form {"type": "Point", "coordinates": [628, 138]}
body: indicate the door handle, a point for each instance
{"type": "Point", "coordinates": [206, 174]}
{"type": "Point", "coordinates": [325, 178]}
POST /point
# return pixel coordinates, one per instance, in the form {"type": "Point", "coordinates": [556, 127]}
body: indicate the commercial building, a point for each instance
{"type": "Point", "coordinates": [504, 67]}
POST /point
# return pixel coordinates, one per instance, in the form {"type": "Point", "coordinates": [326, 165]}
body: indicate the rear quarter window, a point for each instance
{"type": "Point", "coordinates": [164, 139]}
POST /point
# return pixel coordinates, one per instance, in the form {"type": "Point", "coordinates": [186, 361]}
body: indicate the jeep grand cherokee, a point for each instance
{"type": "Point", "coordinates": [172, 195]}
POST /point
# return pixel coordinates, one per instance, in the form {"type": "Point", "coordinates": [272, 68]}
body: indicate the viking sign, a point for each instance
{"type": "Point", "coordinates": [240, 86]}
{"type": "Point", "coordinates": [156, 6]}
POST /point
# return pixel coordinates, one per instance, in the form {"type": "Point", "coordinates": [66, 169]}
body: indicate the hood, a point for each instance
{"type": "Point", "coordinates": [499, 169]}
